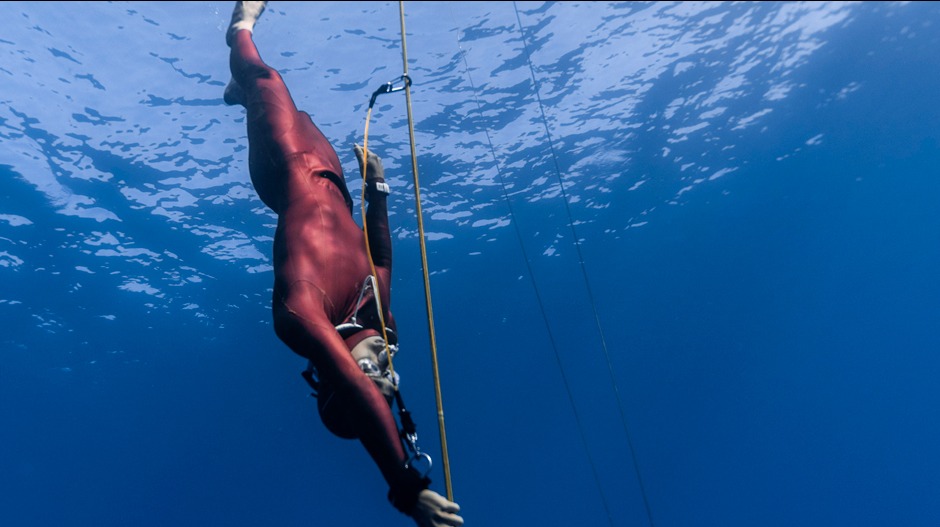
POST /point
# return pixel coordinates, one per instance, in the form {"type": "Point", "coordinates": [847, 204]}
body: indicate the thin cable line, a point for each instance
{"type": "Point", "coordinates": [538, 295]}
{"type": "Point", "coordinates": [587, 283]}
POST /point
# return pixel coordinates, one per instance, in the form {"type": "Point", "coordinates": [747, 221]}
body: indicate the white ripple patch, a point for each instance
{"type": "Point", "coordinates": [714, 112]}
{"type": "Point", "coordinates": [845, 92]}
{"type": "Point", "coordinates": [697, 181]}
{"type": "Point", "coordinates": [778, 91]}
{"type": "Point", "coordinates": [682, 67]}
{"type": "Point", "coordinates": [9, 260]}
{"type": "Point", "coordinates": [759, 50]}
{"type": "Point", "coordinates": [180, 277]}
{"type": "Point", "coordinates": [494, 223]}
{"type": "Point", "coordinates": [435, 236]}
{"type": "Point", "coordinates": [234, 249]}
{"type": "Point", "coordinates": [211, 231]}
{"type": "Point", "coordinates": [160, 200]}
{"type": "Point", "coordinates": [233, 194]}
{"type": "Point", "coordinates": [27, 157]}
{"type": "Point", "coordinates": [102, 238]}
{"type": "Point", "coordinates": [231, 245]}
{"type": "Point", "coordinates": [450, 216]}
{"type": "Point", "coordinates": [91, 98]}
{"type": "Point", "coordinates": [85, 169]}
{"type": "Point", "coordinates": [47, 323]}
{"type": "Point", "coordinates": [140, 285]}
{"type": "Point", "coordinates": [71, 204]}
{"type": "Point", "coordinates": [111, 247]}
{"type": "Point", "coordinates": [14, 220]}
{"type": "Point", "coordinates": [720, 173]}
{"type": "Point", "coordinates": [404, 234]}
{"type": "Point", "coordinates": [194, 307]}
{"type": "Point", "coordinates": [748, 120]}
{"type": "Point", "coordinates": [195, 275]}
{"type": "Point", "coordinates": [815, 140]}
{"type": "Point", "coordinates": [682, 134]}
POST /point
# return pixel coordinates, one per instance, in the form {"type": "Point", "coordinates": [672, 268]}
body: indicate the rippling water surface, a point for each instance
{"type": "Point", "coordinates": [683, 260]}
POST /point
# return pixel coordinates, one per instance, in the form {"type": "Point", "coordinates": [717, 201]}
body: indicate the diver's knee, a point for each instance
{"type": "Point", "coordinates": [284, 324]}
{"type": "Point", "coordinates": [290, 330]}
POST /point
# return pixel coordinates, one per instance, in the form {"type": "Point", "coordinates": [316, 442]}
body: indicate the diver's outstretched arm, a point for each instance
{"type": "Point", "coordinates": [380, 238]}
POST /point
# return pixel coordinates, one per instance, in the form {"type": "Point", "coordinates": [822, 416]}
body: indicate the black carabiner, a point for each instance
{"type": "Point", "coordinates": [390, 87]}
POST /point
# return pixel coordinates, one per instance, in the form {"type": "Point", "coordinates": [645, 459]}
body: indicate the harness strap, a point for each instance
{"type": "Point", "coordinates": [351, 327]}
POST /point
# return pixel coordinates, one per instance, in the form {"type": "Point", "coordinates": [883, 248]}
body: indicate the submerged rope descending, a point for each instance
{"type": "Point", "coordinates": [433, 344]}
{"type": "Point", "coordinates": [421, 238]}
{"type": "Point", "coordinates": [587, 283]}
{"type": "Point", "coordinates": [585, 277]}
{"type": "Point", "coordinates": [538, 296]}
{"type": "Point", "coordinates": [424, 265]}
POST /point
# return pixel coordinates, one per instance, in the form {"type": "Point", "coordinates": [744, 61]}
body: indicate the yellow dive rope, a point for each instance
{"type": "Point", "coordinates": [424, 257]}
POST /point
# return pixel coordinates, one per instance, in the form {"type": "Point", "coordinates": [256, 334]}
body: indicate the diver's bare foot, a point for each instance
{"type": "Point", "coordinates": [244, 16]}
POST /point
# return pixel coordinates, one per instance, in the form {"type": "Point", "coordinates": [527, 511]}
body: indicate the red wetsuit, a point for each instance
{"type": "Point", "coordinates": [320, 261]}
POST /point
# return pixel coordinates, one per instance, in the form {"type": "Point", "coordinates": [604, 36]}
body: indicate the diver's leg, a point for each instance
{"type": "Point", "coordinates": [276, 128]}
{"type": "Point", "coordinates": [244, 17]}
{"type": "Point", "coordinates": [272, 116]}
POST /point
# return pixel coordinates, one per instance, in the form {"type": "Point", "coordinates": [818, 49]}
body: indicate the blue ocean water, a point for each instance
{"type": "Point", "coordinates": [683, 261]}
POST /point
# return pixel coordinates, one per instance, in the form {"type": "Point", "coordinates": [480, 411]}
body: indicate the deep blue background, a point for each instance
{"type": "Point", "coordinates": [770, 335]}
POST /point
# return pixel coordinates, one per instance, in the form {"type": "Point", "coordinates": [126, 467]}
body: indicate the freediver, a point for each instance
{"type": "Point", "coordinates": [322, 270]}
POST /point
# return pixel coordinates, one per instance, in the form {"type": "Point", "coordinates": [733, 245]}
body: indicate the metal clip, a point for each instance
{"type": "Point", "coordinates": [416, 460]}
{"type": "Point", "coordinates": [390, 87]}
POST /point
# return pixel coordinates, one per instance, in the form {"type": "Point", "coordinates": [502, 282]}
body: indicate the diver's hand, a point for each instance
{"type": "Point", "coordinates": [434, 510]}
{"type": "Point", "coordinates": [374, 170]}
